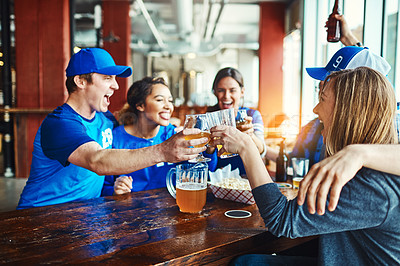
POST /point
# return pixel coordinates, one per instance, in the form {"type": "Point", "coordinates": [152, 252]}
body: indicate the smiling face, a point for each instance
{"type": "Point", "coordinates": [158, 106]}
{"type": "Point", "coordinates": [324, 109]}
{"type": "Point", "coordinates": [228, 93]}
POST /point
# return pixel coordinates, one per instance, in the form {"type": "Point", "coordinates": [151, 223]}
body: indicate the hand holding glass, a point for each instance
{"type": "Point", "coordinates": [199, 121]}
{"type": "Point", "coordinates": [223, 117]}
{"type": "Point", "coordinates": [241, 119]}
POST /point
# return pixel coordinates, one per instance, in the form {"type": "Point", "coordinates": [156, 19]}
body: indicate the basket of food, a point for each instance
{"type": "Point", "coordinates": [228, 185]}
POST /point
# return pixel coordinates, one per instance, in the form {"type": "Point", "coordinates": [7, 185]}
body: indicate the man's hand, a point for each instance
{"type": "Point", "coordinates": [331, 175]}
{"type": "Point", "coordinates": [177, 149]}
{"type": "Point", "coordinates": [122, 185]}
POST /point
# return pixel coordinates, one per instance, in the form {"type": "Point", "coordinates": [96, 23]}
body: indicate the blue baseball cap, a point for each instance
{"type": "Point", "coordinates": [95, 60]}
{"type": "Point", "coordinates": [350, 57]}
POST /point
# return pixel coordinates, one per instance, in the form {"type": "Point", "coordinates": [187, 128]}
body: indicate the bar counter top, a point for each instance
{"type": "Point", "coordinates": [139, 228]}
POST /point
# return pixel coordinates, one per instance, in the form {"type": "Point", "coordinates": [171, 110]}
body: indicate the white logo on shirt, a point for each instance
{"type": "Point", "coordinates": [107, 138]}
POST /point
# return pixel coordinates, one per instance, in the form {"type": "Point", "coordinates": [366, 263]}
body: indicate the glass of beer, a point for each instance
{"type": "Point", "coordinates": [300, 170]}
{"type": "Point", "coordinates": [191, 186]}
{"type": "Point", "coordinates": [241, 118]}
{"type": "Point", "coordinates": [199, 121]}
{"type": "Point", "coordinates": [223, 117]}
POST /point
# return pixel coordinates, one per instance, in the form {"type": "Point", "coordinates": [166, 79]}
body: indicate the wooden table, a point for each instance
{"type": "Point", "coordinates": [139, 228]}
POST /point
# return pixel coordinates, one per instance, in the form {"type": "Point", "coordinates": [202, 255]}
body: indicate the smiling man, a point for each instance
{"type": "Point", "coordinates": [72, 148]}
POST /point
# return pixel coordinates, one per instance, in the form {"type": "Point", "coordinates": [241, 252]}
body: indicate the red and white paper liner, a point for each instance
{"type": "Point", "coordinates": [238, 195]}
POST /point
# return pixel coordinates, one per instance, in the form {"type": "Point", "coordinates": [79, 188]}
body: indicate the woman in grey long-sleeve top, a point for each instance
{"type": "Point", "coordinates": [356, 106]}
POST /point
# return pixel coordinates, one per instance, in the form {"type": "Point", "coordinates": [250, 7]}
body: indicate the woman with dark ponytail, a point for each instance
{"type": "Point", "coordinates": [229, 89]}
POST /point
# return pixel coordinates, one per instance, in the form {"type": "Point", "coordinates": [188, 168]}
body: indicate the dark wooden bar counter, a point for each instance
{"type": "Point", "coordinates": [141, 228]}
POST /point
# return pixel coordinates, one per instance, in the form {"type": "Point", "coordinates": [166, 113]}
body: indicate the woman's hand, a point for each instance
{"type": "Point", "coordinates": [234, 141]}
{"type": "Point", "coordinates": [122, 185]}
{"type": "Point", "coordinates": [231, 139]}
{"type": "Point", "coordinates": [248, 128]}
{"type": "Point", "coordinates": [178, 129]}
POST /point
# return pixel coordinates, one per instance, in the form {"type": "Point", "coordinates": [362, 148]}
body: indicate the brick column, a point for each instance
{"type": "Point", "coordinates": [42, 54]}
{"type": "Point", "coordinates": [116, 22]}
{"type": "Point", "coordinates": [272, 32]}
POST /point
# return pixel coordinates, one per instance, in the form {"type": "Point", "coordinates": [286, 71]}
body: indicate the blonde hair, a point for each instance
{"type": "Point", "coordinates": [364, 109]}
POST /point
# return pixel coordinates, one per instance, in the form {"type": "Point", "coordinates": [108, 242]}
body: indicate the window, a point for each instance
{"type": "Point", "coordinates": [390, 40]}
{"type": "Point", "coordinates": [354, 13]}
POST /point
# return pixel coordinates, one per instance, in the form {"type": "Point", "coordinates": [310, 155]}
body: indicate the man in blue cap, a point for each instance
{"type": "Point", "coordinates": [72, 148]}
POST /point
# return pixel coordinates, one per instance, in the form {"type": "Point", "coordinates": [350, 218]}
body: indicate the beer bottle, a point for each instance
{"type": "Point", "coordinates": [281, 163]}
{"type": "Point", "coordinates": [334, 24]}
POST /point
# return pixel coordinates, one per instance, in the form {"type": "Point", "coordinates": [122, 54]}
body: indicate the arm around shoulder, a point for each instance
{"type": "Point", "coordinates": [331, 174]}
{"type": "Point", "coordinates": [381, 157]}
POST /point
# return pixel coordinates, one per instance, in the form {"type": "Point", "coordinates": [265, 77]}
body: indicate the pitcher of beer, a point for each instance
{"type": "Point", "coordinates": [191, 186]}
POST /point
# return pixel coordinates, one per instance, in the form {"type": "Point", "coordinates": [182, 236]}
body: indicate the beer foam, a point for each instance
{"type": "Point", "coordinates": [191, 186]}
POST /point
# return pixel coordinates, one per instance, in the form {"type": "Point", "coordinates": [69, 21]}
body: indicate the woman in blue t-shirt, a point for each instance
{"type": "Point", "coordinates": [229, 89]}
{"type": "Point", "coordinates": [145, 122]}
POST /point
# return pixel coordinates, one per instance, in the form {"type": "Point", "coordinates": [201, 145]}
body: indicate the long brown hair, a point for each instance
{"type": "Point", "coordinates": [364, 109]}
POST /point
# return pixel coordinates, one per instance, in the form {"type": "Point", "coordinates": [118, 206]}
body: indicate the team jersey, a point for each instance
{"type": "Point", "coordinates": [309, 143]}
{"type": "Point", "coordinates": [52, 178]}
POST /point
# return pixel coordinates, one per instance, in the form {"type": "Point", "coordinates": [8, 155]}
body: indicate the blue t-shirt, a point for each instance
{"type": "Point", "coordinates": [52, 178]}
{"type": "Point", "coordinates": [309, 143]}
{"type": "Point", "coordinates": [258, 126]}
{"type": "Point", "coordinates": [151, 177]}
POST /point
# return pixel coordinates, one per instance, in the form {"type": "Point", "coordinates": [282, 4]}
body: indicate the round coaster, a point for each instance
{"type": "Point", "coordinates": [237, 214]}
{"type": "Point", "coordinates": [284, 185]}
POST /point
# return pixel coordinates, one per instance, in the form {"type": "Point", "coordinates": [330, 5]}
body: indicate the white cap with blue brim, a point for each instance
{"type": "Point", "coordinates": [350, 57]}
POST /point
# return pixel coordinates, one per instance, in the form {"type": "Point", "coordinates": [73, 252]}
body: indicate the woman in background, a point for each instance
{"type": "Point", "coordinates": [145, 122]}
{"type": "Point", "coordinates": [229, 89]}
{"type": "Point", "coordinates": [356, 107]}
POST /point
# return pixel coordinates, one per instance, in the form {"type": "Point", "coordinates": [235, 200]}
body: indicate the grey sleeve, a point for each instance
{"type": "Point", "coordinates": [363, 204]}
